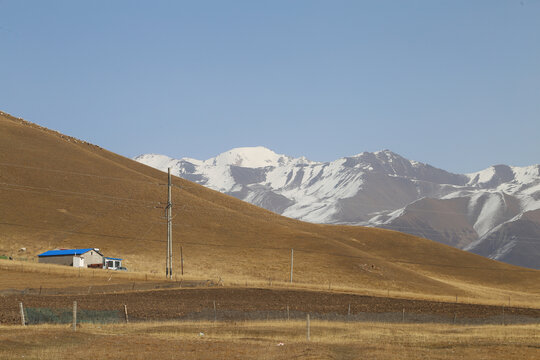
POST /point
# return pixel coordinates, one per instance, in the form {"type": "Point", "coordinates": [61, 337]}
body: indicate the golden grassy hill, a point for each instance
{"type": "Point", "coordinates": [60, 192]}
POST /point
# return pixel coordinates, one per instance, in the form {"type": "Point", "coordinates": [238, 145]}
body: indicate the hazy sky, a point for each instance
{"type": "Point", "coordinates": [452, 83]}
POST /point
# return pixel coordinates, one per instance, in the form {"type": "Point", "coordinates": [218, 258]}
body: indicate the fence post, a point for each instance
{"type": "Point", "coordinates": [126, 313]}
{"type": "Point", "coordinates": [403, 315]}
{"type": "Point", "coordinates": [292, 264]}
{"type": "Point", "coordinates": [215, 311]}
{"type": "Point", "coordinates": [21, 307]}
{"type": "Point", "coordinates": [308, 327]}
{"type": "Point", "coordinates": [75, 316]}
{"type": "Point", "coordinates": [349, 312]}
{"type": "Point", "coordinates": [503, 317]}
{"type": "Point", "coordinates": [182, 260]}
{"type": "Point", "coordinates": [455, 315]}
{"type": "Point", "coordinates": [287, 312]}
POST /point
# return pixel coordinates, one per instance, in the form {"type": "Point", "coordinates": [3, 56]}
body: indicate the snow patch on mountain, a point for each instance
{"type": "Point", "coordinates": [503, 250]}
{"type": "Point", "coordinates": [481, 177]}
{"type": "Point", "coordinates": [488, 208]}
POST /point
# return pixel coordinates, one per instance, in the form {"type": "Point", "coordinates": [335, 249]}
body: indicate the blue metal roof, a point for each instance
{"type": "Point", "coordinates": [65, 252]}
{"type": "Point", "coordinates": [109, 258]}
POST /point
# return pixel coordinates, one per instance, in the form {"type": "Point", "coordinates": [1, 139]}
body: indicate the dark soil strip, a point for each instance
{"type": "Point", "coordinates": [183, 303]}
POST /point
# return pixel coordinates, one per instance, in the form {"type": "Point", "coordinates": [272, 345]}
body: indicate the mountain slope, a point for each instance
{"type": "Point", "coordinates": [57, 191]}
{"type": "Point", "coordinates": [380, 189]}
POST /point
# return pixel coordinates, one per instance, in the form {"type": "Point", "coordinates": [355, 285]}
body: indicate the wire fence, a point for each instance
{"type": "Point", "coordinates": [43, 315]}
{"type": "Point", "coordinates": [35, 316]}
{"type": "Point", "coordinates": [108, 289]}
{"type": "Point", "coordinates": [384, 317]}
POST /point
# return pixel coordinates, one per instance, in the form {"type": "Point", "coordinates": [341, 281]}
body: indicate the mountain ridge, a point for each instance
{"type": "Point", "coordinates": [379, 189]}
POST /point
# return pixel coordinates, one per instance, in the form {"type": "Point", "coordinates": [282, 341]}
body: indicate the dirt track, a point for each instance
{"type": "Point", "coordinates": [180, 303]}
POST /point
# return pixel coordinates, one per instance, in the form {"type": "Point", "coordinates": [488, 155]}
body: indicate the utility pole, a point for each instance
{"type": "Point", "coordinates": [167, 258]}
{"type": "Point", "coordinates": [169, 228]}
{"type": "Point", "coordinates": [292, 263]}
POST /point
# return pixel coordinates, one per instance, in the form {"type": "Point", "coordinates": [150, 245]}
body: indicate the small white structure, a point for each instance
{"type": "Point", "coordinates": [112, 263]}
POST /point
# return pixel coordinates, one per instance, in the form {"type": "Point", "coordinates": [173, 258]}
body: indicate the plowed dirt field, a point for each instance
{"type": "Point", "coordinates": [181, 303]}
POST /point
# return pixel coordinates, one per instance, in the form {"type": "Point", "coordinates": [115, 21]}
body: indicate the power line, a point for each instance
{"type": "Point", "coordinates": [120, 218]}
{"type": "Point", "coordinates": [79, 173]}
{"type": "Point", "coordinates": [405, 209]}
{"type": "Point", "coordinates": [434, 231]}
{"type": "Point", "coordinates": [90, 175]}
{"type": "Point", "coordinates": [78, 232]}
{"type": "Point", "coordinates": [91, 196]}
{"type": "Point", "coordinates": [97, 197]}
{"type": "Point", "coordinates": [287, 249]}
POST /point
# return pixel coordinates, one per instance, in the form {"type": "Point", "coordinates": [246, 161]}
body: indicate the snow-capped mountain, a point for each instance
{"type": "Point", "coordinates": [494, 212]}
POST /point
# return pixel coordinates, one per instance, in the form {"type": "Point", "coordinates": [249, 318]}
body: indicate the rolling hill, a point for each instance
{"type": "Point", "coordinates": [60, 192]}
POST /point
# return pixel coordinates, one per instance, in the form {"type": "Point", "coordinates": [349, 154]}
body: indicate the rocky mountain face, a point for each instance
{"type": "Point", "coordinates": [494, 212]}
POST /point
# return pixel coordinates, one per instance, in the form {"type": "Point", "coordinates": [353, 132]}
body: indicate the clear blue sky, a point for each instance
{"type": "Point", "coordinates": [452, 83]}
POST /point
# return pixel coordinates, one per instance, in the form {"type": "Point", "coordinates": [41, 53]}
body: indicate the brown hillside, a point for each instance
{"type": "Point", "coordinates": [60, 192]}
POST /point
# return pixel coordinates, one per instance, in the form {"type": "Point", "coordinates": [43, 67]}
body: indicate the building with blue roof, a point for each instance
{"type": "Point", "coordinates": [89, 257]}
{"type": "Point", "coordinates": [60, 252]}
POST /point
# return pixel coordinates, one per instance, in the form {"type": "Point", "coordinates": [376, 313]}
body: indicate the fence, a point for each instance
{"type": "Point", "coordinates": [65, 316]}
{"type": "Point", "coordinates": [108, 289]}
{"type": "Point", "coordinates": [386, 317]}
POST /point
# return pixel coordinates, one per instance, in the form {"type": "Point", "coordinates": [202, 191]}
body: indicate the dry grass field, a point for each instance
{"type": "Point", "coordinates": [22, 275]}
{"type": "Point", "coordinates": [263, 339]}
{"type": "Point", "coordinates": [29, 276]}
{"type": "Point", "coordinates": [61, 192]}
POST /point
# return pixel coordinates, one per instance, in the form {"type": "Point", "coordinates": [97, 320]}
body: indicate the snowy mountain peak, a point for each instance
{"type": "Point", "coordinates": [526, 174]}
{"type": "Point", "coordinates": [500, 174]}
{"type": "Point", "coordinates": [378, 154]}
{"type": "Point", "coordinates": [252, 157]}
{"type": "Point", "coordinates": [157, 160]}
{"type": "Point", "coordinates": [387, 153]}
